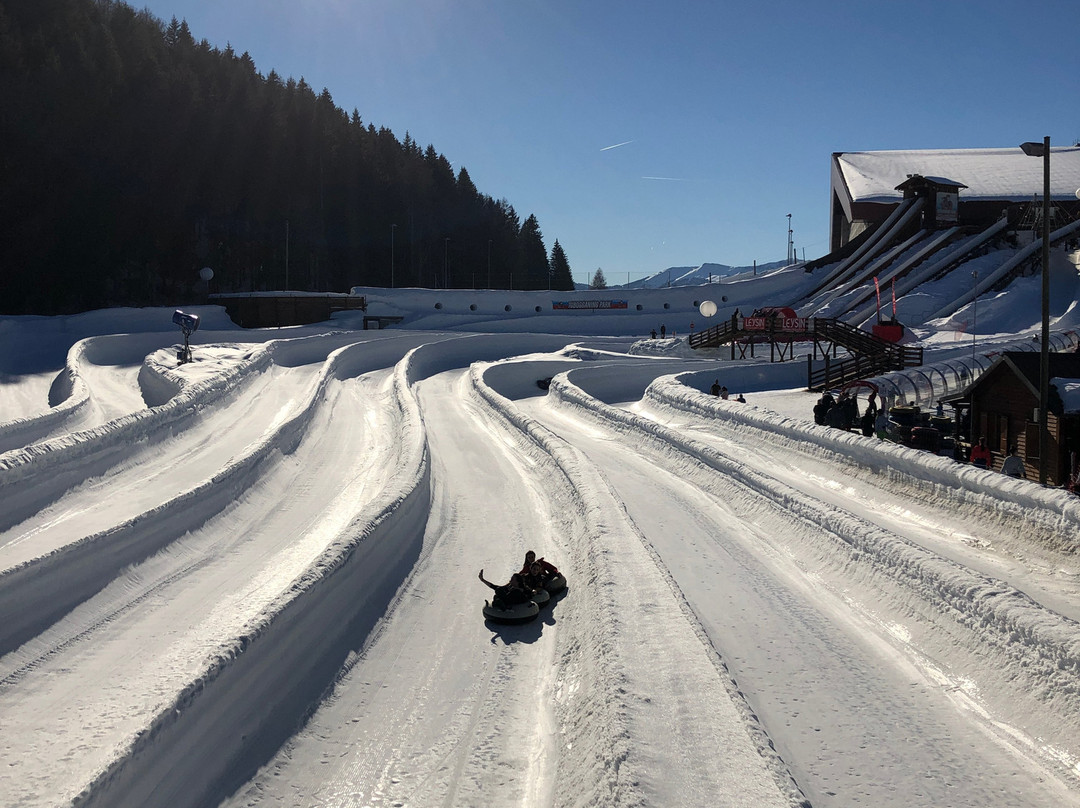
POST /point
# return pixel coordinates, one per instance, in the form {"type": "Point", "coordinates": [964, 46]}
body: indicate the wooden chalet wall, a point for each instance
{"type": "Point", "coordinates": [1002, 406]}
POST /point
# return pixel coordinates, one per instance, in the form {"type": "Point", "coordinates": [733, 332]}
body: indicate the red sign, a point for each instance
{"type": "Point", "coordinates": [796, 323]}
{"type": "Point", "coordinates": [782, 323]}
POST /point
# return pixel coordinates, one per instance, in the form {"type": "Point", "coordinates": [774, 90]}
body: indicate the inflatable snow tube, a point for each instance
{"type": "Point", "coordinates": [556, 584]}
{"type": "Point", "coordinates": [541, 597]}
{"type": "Point", "coordinates": [518, 613]}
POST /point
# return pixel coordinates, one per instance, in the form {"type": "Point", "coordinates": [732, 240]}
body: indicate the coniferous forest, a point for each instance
{"type": "Point", "coordinates": [132, 155]}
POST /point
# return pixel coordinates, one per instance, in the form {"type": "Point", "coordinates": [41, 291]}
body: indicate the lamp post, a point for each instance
{"type": "Point", "coordinates": [790, 247]}
{"type": "Point", "coordinates": [393, 227]}
{"type": "Point", "coordinates": [1035, 149]}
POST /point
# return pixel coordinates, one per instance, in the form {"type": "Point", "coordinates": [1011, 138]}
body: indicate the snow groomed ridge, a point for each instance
{"type": "Point", "coordinates": [324, 560]}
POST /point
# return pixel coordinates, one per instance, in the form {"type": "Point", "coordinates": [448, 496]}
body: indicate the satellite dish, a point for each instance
{"type": "Point", "coordinates": [707, 308]}
{"type": "Point", "coordinates": [206, 273]}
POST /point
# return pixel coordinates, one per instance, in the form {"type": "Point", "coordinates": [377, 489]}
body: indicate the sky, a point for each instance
{"type": "Point", "coordinates": [297, 516]}
{"type": "Point", "coordinates": [645, 135]}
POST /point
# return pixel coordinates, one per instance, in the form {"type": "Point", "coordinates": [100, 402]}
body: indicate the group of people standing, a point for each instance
{"type": "Point", "coordinates": [1011, 466]}
{"type": "Point", "coordinates": [843, 413]}
{"type": "Point", "coordinates": [721, 391]}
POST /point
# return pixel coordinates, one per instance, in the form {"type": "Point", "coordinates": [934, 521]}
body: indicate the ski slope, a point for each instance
{"type": "Point", "coordinates": [269, 557]}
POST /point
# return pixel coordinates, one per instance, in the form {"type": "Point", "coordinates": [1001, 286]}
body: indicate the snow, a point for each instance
{"type": "Point", "coordinates": [1004, 174]}
{"type": "Point", "coordinates": [250, 580]}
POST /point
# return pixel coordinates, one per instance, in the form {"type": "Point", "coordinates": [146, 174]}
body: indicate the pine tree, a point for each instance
{"type": "Point", "coordinates": [534, 259]}
{"type": "Point", "coordinates": [561, 277]}
{"type": "Point", "coordinates": [598, 280]}
{"type": "Point", "coordinates": [174, 155]}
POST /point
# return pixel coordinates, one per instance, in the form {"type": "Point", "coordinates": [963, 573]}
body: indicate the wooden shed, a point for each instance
{"type": "Point", "coordinates": [277, 309]}
{"type": "Point", "coordinates": [1004, 404]}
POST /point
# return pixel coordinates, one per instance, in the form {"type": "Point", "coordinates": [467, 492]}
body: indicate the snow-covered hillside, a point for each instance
{"type": "Point", "coordinates": [251, 579]}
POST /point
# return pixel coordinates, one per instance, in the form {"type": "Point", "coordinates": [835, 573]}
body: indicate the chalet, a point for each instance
{"type": "Point", "coordinates": [966, 187]}
{"type": "Point", "coordinates": [1003, 407]}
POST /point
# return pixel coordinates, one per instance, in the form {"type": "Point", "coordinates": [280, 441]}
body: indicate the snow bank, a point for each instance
{"type": "Point", "coordinates": [613, 568]}
{"type": "Point", "coordinates": [306, 637]}
{"type": "Point", "coordinates": [68, 389]}
{"type": "Point", "coordinates": [47, 457]}
{"type": "Point", "coordinates": [1039, 649]}
{"type": "Point", "coordinates": [1047, 515]}
{"type": "Point", "coordinates": [294, 650]}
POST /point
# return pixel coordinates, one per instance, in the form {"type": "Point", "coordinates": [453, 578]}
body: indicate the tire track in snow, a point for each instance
{"type": "Point", "coordinates": [429, 712]}
{"type": "Point", "coordinates": [652, 725]}
{"type": "Point", "coordinates": [973, 601]}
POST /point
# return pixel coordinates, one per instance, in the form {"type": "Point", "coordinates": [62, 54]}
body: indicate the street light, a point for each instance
{"type": "Point", "coordinates": [1034, 149]}
{"type": "Point", "coordinates": [393, 227]}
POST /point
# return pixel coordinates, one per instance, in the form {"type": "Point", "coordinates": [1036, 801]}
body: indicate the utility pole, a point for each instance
{"type": "Point", "coordinates": [790, 243]}
{"type": "Point", "coordinates": [1036, 149]}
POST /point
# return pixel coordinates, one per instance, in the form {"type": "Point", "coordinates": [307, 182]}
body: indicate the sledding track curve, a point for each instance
{"type": "Point", "coordinates": [319, 564]}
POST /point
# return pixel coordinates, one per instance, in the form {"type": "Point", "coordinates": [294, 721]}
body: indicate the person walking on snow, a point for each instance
{"type": "Point", "coordinates": [715, 389]}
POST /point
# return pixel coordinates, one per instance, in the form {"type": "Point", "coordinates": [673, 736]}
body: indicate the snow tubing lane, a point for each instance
{"type": "Point", "coordinates": [520, 613]}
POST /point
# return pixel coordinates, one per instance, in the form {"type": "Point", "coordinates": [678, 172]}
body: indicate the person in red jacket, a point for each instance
{"type": "Point", "coordinates": [548, 568]}
{"type": "Point", "coordinates": [980, 455]}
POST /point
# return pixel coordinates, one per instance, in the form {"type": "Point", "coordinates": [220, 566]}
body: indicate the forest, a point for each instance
{"type": "Point", "coordinates": [134, 155]}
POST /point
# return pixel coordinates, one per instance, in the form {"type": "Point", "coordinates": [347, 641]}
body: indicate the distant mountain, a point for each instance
{"type": "Point", "coordinates": [696, 276]}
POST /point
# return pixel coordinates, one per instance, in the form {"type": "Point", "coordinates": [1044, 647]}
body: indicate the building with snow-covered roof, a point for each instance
{"type": "Point", "coordinates": [1004, 403]}
{"type": "Point", "coordinates": [867, 186]}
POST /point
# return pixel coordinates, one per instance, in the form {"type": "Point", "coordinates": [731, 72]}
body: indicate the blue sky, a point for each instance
{"type": "Point", "coordinates": [647, 135]}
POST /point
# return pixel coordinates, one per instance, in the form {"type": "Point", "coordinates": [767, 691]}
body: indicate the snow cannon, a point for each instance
{"type": "Point", "coordinates": [189, 324]}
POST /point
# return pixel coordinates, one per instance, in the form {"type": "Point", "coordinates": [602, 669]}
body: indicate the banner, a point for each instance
{"type": "Point", "coordinates": [777, 323]}
{"type": "Point", "coordinates": [566, 305]}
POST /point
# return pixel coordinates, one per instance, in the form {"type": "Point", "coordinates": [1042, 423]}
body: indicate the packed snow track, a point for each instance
{"type": "Point", "coordinates": [251, 580]}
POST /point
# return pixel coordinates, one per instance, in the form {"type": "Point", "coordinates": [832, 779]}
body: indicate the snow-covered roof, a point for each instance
{"type": "Point", "coordinates": [1006, 174]}
{"type": "Point", "coordinates": [1069, 389]}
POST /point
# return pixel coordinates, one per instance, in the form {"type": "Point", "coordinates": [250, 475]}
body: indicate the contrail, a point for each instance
{"type": "Point", "coordinates": [667, 179]}
{"type": "Point", "coordinates": [624, 143]}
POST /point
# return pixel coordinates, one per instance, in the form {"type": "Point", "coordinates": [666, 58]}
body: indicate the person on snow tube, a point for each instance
{"type": "Point", "coordinates": [546, 567]}
{"type": "Point", "coordinates": [509, 594]}
{"type": "Point", "coordinates": [536, 577]}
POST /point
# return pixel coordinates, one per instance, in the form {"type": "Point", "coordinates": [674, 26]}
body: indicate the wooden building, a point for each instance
{"type": "Point", "coordinates": [1003, 407]}
{"type": "Point", "coordinates": [867, 186]}
{"type": "Point", "coordinates": [277, 309]}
